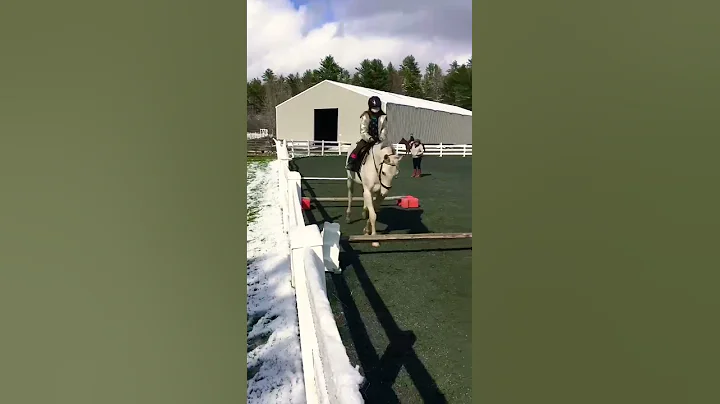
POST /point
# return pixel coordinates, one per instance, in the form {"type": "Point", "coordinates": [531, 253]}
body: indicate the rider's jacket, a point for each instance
{"type": "Point", "coordinates": [373, 127]}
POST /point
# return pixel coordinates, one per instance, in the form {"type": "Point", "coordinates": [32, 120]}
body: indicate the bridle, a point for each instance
{"type": "Point", "coordinates": [379, 172]}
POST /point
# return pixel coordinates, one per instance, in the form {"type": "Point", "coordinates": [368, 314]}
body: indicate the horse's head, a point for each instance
{"type": "Point", "coordinates": [390, 167]}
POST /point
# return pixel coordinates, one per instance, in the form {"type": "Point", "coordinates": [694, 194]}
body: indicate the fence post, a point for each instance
{"type": "Point", "coordinates": [295, 218]}
{"type": "Point", "coordinates": [308, 148]}
{"type": "Point", "coordinates": [331, 247]}
{"type": "Point", "coordinates": [464, 150]}
{"type": "Point", "coordinates": [283, 193]}
{"type": "Point", "coordinates": [295, 195]}
{"type": "Point", "coordinates": [441, 149]}
{"type": "Point", "coordinates": [303, 238]}
{"type": "Point", "coordinates": [284, 158]}
{"type": "Point", "coordinates": [287, 207]}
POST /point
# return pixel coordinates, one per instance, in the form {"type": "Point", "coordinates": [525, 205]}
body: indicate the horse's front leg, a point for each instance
{"type": "Point", "coordinates": [365, 207]}
{"type": "Point", "coordinates": [376, 208]}
{"type": "Point", "coordinates": [372, 217]}
{"type": "Point", "coordinates": [365, 215]}
{"type": "Point", "coordinates": [377, 202]}
{"type": "Point", "coordinates": [368, 210]}
{"type": "Point", "coordinates": [350, 197]}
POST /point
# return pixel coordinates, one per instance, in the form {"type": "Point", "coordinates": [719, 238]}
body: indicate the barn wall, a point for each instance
{"type": "Point", "coordinates": [430, 126]}
{"type": "Point", "coordinates": [295, 117]}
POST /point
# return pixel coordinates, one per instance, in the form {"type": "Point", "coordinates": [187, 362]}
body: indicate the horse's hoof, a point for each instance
{"type": "Point", "coordinates": [375, 244]}
{"type": "Point", "coordinates": [347, 219]}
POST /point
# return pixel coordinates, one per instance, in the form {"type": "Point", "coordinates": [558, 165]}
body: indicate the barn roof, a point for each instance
{"type": "Point", "coordinates": [399, 99]}
{"type": "Point", "coordinates": [392, 98]}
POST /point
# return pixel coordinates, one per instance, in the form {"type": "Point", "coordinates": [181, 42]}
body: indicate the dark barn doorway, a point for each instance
{"type": "Point", "coordinates": [326, 124]}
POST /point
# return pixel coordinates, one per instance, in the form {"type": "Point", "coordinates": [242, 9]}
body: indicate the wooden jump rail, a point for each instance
{"type": "Point", "coordinates": [332, 238]}
{"type": "Point", "coordinates": [406, 237]}
{"type": "Point", "coordinates": [340, 199]}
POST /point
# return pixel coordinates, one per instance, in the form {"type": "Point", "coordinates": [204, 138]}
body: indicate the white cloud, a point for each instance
{"type": "Point", "coordinates": [284, 39]}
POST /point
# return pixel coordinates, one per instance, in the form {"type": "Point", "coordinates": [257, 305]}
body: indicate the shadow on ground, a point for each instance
{"type": "Point", "coordinates": [380, 370]}
{"type": "Point", "coordinates": [403, 220]}
{"type": "Point", "coordinates": [403, 309]}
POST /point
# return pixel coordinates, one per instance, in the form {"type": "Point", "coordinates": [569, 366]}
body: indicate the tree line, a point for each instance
{"type": "Point", "coordinates": [453, 86]}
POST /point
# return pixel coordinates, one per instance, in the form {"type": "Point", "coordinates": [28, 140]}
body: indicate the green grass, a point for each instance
{"type": "Point", "coordinates": [421, 287]}
{"type": "Point", "coordinates": [251, 214]}
{"type": "Point", "coordinates": [260, 159]}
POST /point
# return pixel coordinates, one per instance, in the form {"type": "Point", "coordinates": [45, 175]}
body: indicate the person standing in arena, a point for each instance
{"type": "Point", "coordinates": [417, 150]}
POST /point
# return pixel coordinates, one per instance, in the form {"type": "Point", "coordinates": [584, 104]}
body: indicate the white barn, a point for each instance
{"type": "Point", "coordinates": [331, 111]}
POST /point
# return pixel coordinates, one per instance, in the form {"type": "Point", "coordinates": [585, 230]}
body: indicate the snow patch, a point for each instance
{"type": "Point", "coordinates": [273, 359]}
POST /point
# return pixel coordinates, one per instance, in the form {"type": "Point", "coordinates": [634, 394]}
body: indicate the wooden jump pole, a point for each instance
{"type": "Point", "coordinates": [355, 198]}
{"type": "Point", "coordinates": [406, 237]}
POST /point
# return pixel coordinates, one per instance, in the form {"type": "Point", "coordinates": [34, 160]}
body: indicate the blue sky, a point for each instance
{"type": "Point", "coordinates": [322, 10]}
{"type": "Point", "coordinates": [291, 36]}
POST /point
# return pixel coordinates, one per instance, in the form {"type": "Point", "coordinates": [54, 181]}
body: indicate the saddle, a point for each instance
{"type": "Point", "coordinates": [362, 155]}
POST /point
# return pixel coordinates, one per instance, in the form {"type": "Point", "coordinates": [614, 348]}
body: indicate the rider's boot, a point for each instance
{"type": "Point", "coordinates": [351, 162]}
{"type": "Point", "coordinates": [350, 166]}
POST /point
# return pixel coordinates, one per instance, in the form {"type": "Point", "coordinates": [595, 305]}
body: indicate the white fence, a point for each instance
{"type": "Point", "coordinates": [300, 148]}
{"type": "Point", "coordinates": [328, 375]}
{"type": "Point", "coordinates": [258, 135]}
{"type": "Point", "coordinates": [440, 150]}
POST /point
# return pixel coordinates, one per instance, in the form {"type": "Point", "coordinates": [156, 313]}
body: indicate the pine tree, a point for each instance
{"type": "Point", "coordinates": [308, 79]}
{"type": "Point", "coordinates": [356, 80]}
{"type": "Point", "coordinates": [344, 76]}
{"type": "Point", "coordinates": [330, 70]}
{"type": "Point", "coordinates": [432, 82]}
{"type": "Point", "coordinates": [255, 96]}
{"type": "Point", "coordinates": [412, 77]}
{"type": "Point", "coordinates": [395, 80]}
{"type": "Point", "coordinates": [295, 84]}
{"type": "Point", "coordinates": [372, 74]}
{"type": "Point", "coordinates": [457, 89]}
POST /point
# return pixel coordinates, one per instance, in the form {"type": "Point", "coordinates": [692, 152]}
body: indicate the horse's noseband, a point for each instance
{"type": "Point", "coordinates": [380, 174]}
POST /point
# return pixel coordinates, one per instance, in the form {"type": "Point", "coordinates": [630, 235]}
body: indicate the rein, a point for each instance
{"type": "Point", "coordinates": [379, 171]}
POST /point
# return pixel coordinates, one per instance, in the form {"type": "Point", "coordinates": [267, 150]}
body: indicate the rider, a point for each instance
{"type": "Point", "coordinates": [373, 129]}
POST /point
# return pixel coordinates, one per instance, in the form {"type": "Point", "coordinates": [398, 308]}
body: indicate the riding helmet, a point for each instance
{"type": "Point", "coordinates": [374, 102]}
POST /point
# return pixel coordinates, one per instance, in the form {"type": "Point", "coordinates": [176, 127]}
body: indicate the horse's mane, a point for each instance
{"type": "Point", "coordinates": [383, 147]}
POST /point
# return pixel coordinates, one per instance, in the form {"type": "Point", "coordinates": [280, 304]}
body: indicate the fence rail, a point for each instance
{"type": "Point", "coordinates": [300, 148]}
{"type": "Point", "coordinates": [328, 375]}
{"type": "Point", "coordinates": [307, 148]}
{"type": "Point", "coordinates": [258, 135]}
{"type": "Point", "coordinates": [441, 150]}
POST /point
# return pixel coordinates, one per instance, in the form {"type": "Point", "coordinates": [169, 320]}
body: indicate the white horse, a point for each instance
{"type": "Point", "coordinates": [377, 171]}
